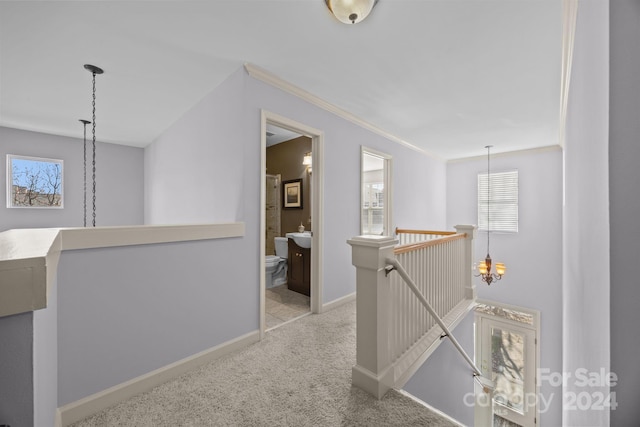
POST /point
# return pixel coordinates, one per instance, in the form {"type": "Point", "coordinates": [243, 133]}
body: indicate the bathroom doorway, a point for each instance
{"type": "Point", "coordinates": [291, 223]}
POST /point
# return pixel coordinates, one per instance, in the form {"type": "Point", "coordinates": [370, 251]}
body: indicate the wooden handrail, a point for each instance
{"type": "Point", "coordinates": [407, 231]}
{"type": "Point", "coordinates": [421, 245]}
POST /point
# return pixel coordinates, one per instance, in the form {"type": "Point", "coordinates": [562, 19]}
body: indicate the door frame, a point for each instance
{"type": "Point", "coordinates": [317, 203]}
{"type": "Point", "coordinates": [483, 323]}
{"type": "Point", "coordinates": [388, 187]}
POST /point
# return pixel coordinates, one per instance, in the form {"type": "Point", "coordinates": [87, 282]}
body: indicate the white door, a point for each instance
{"type": "Point", "coordinates": [508, 357]}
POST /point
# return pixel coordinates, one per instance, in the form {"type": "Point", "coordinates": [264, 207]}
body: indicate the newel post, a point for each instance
{"type": "Point", "coordinates": [372, 372]}
{"type": "Point", "coordinates": [469, 286]}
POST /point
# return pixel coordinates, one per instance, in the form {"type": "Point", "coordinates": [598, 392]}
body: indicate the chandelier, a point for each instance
{"type": "Point", "coordinates": [484, 266]}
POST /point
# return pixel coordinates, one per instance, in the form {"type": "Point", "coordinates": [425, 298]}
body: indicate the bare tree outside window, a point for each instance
{"type": "Point", "coordinates": [34, 182]}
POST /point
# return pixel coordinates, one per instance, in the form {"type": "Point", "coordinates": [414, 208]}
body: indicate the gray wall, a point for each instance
{"type": "Point", "coordinates": [538, 242]}
{"type": "Point", "coordinates": [586, 215]}
{"type": "Point", "coordinates": [624, 182]}
{"type": "Point", "coordinates": [16, 370]}
{"type": "Point", "coordinates": [445, 379]}
{"type": "Point", "coordinates": [123, 312]}
{"type": "Point", "coordinates": [119, 181]}
{"type": "Point", "coordinates": [218, 143]}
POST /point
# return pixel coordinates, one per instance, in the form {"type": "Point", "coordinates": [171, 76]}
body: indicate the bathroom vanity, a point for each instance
{"type": "Point", "coordinates": [299, 268]}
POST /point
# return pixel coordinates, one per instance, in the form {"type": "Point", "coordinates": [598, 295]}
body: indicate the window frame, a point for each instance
{"type": "Point", "coordinates": [502, 188]}
{"type": "Point", "coordinates": [483, 322]}
{"type": "Point", "coordinates": [9, 181]}
{"type": "Point", "coordinates": [387, 189]}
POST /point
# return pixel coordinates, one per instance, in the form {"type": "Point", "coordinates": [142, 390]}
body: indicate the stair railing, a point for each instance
{"type": "Point", "coordinates": [395, 334]}
{"type": "Point", "coordinates": [409, 236]}
{"type": "Point", "coordinates": [395, 265]}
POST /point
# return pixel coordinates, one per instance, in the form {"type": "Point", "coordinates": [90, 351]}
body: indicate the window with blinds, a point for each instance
{"type": "Point", "coordinates": [499, 193]}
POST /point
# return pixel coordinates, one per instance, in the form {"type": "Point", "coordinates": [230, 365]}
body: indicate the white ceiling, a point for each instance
{"type": "Point", "coordinates": [449, 76]}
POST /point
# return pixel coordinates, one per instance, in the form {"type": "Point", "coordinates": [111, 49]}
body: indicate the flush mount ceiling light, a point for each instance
{"type": "Point", "coordinates": [350, 11]}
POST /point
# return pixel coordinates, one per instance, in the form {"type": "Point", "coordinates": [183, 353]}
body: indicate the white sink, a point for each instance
{"type": "Point", "coordinates": [302, 239]}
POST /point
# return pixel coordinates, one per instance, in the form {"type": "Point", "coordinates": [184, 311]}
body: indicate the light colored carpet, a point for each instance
{"type": "Point", "coordinates": [299, 375]}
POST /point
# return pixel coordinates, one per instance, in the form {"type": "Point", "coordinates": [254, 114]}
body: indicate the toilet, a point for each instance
{"type": "Point", "coordinates": [276, 265]}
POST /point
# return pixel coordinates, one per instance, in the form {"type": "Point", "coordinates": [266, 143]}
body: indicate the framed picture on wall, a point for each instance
{"type": "Point", "coordinates": [292, 194]}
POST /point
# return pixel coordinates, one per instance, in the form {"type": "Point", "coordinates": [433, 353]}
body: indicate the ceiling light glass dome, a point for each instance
{"type": "Point", "coordinates": [350, 11]}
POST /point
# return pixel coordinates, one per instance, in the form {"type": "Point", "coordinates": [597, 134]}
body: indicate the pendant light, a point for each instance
{"type": "Point", "coordinates": [85, 123]}
{"type": "Point", "coordinates": [484, 267]}
{"type": "Point", "coordinates": [94, 70]}
{"type": "Point", "coordinates": [350, 11]}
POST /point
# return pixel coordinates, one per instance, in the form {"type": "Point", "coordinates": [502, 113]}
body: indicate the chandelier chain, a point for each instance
{"type": "Point", "coordinates": [94, 148]}
{"type": "Point", "coordinates": [488, 195]}
{"type": "Point", "coordinates": [85, 174]}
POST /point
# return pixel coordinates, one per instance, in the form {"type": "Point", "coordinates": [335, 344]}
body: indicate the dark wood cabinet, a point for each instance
{"type": "Point", "coordinates": [299, 269]}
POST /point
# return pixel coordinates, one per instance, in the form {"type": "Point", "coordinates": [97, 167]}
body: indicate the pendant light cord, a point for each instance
{"type": "Point", "coordinates": [488, 195]}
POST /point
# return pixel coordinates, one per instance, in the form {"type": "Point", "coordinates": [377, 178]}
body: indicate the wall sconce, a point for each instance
{"type": "Point", "coordinates": [350, 11]}
{"type": "Point", "coordinates": [307, 161]}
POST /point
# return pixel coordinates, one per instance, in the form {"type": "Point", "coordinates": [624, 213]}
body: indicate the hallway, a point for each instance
{"type": "Point", "coordinates": [299, 375]}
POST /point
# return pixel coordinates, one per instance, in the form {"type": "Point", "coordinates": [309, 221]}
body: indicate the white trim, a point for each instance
{"type": "Point", "coordinates": [29, 257]}
{"type": "Point", "coordinates": [94, 403]}
{"type": "Point", "coordinates": [286, 322]}
{"type": "Point", "coordinates": [533, 312]}
{"type": "Point", "coordinates": [271, 79]}
{"type": "Point", "coordinates": [263, 223]}
{"type": "Point", "coordinates": [431, 408]}
{"type": "Point", "coordinates": [11, 157]}
{"type": "Point", "coordinates": [525, 151]}
{"type": "Point", "coordinates": [103, 237]}
{"type": "Point", "coordinates": [338, 302]}
{"type": "Point", "coordinates": [388, 187]}
{"type": "Point", "coordinates": [569, 20]}
{"type": "Point", "coordinates": [534, 328]}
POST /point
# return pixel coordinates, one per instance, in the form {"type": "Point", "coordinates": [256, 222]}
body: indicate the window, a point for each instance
{"type": "Point", "coordinates": [502, 200]}
{"type": "Point", "coordinates": [375, 198]}
{"type": "Point", "coordinates": [33, 182]}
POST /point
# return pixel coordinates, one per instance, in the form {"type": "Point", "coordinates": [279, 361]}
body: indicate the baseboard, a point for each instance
{"type": "Point", "coordinates": [338, 302]}
{"type": "Point", "coordinates": [87, 406]}
{"type": "Point", "coordinates": [431, 408]}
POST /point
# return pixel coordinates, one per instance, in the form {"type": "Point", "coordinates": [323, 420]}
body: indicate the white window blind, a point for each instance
{"type": "Point", "coordinates": [503, 198]}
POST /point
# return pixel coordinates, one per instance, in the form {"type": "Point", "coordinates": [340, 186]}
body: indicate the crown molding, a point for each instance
{"type": "Point", "coordinates": [524, 151]}
{"type": "Point", "coordinates": [275, 81]}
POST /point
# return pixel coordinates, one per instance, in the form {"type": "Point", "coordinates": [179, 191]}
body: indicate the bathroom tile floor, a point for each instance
{"type": "Point", "coordinates": [282, 305]}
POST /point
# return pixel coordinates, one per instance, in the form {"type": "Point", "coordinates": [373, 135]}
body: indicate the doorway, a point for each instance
{"type": "Point", "coordinates": [309, 182]}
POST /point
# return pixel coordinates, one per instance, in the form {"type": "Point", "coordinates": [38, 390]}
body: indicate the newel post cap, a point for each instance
{"type": "Point", "coordinates": [470, 230]}
{"type": "Point", "coordinates": [370, 252]}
